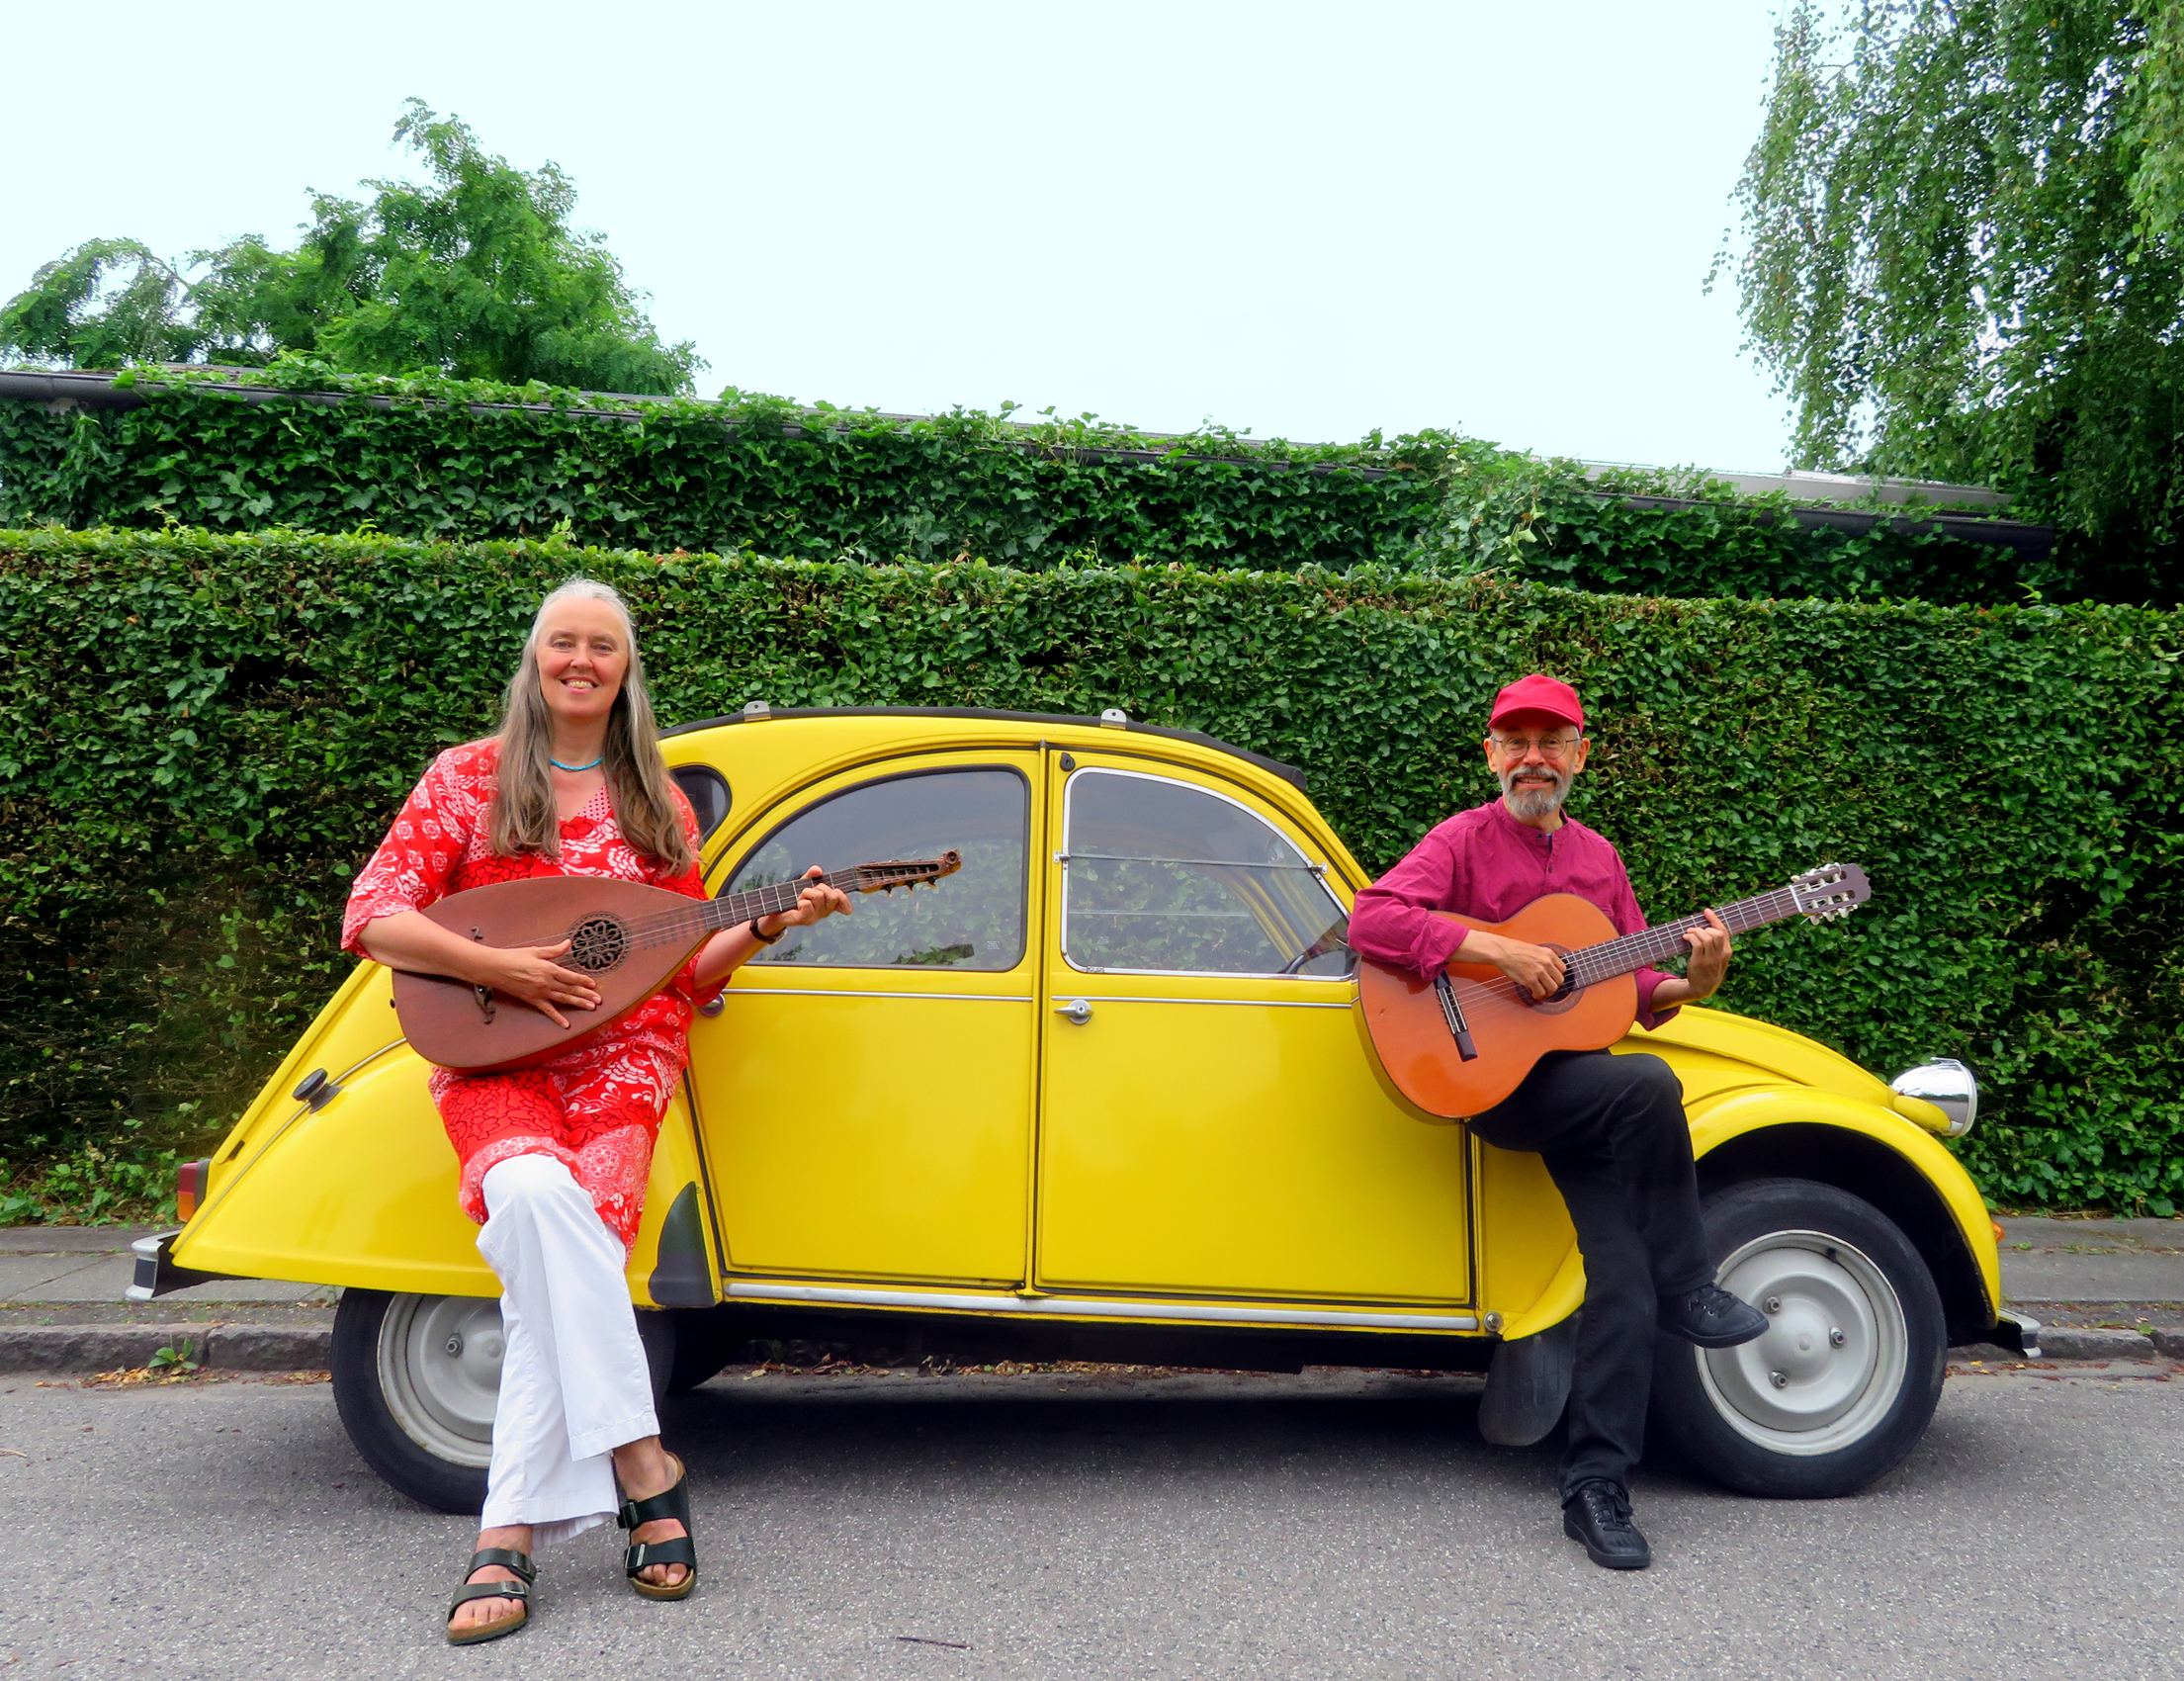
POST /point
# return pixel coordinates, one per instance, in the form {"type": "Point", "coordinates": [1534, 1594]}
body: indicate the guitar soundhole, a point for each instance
{"type": "Point", "coordinates": [1566, 997]}
{"type": "Point", "coordinates": [596, 944]}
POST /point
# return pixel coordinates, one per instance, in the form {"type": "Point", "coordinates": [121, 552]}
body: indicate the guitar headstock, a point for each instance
{"type": "Point", "coordinates": [887, 877]}
{"type": "Point", "coordinates": [1830, 890]}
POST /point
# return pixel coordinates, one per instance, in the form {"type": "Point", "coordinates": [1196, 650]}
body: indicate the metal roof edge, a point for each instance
{"type": "Point", "coordinates": [1290, 773]}
{"type": "Point", "coordinates": [1961, 523]}
{"type": "Point", "coordinates": [1805, 484]}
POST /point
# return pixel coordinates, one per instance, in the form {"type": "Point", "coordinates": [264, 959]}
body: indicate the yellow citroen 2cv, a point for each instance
{"type": "Point", "coordinates": [1103, 1094]}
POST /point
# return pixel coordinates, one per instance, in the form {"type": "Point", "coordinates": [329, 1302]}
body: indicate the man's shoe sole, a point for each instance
{"type": "Point", "coordinates": [1606, 1561]}
{"type": "Point", "coordinates": [1703, 1342]}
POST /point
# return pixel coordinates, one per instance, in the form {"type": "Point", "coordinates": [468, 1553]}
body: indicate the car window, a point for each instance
{"type": "Point", "coordinates": [707, 791]}
{"type": "Point", "coordinates": [1166, 877]}
{"type": "Point", "coordinates": [971, 920]}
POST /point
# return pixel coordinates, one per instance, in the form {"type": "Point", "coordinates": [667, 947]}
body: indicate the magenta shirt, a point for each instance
{"type": "Point", "coordinates": [1484, 863]}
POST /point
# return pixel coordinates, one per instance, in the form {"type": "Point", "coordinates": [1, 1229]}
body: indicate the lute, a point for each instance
{"type": "Point", "coordinates": [1460, 1044]}
{"type": "Point", "coordinates": [630, 938]}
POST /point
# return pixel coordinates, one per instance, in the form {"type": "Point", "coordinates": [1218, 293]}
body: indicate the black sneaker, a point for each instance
{"type": "Point", "coordinates": [1711, 1318]}
{"type": "Point", "coordinates": [1599, 1515]}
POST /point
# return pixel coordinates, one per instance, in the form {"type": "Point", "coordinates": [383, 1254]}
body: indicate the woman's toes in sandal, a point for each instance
{"type": "Point", "coordinates": [671, 1507]}
{"type": "Point", "coordinates": [518, 1591]}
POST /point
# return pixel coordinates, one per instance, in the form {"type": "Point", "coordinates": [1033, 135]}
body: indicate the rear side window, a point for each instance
{"type": "Point", "coordinates": [971, 920]}
{"type": "Point", "coordinates": [1162, 877]}
{"type": "Point", "coordinates": [707, 791]}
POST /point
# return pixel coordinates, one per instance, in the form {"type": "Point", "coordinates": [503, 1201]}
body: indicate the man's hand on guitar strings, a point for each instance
{"type": "Point", "coordinates": [1536, 971]}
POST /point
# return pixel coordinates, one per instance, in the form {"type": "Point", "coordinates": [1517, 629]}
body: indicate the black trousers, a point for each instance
{"type": "Point", "coordinates": [1613, 1135]}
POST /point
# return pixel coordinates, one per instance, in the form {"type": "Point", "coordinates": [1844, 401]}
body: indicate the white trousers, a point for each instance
{"type": "Point", "coordinates": [573, 1382]}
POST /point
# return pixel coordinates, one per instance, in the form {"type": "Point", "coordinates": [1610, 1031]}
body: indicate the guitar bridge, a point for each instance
{"type": "Point", "coordinates": [1451, 1011]}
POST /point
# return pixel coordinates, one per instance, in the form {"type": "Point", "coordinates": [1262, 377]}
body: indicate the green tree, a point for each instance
{"type": "Point", "coordinates": [476, 273]}
{"type": "Point", "coordinates": [1964, 258]}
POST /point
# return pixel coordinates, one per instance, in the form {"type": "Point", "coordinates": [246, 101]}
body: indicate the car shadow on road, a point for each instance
{"type": "Point", "coordinates": [1041, 1429]}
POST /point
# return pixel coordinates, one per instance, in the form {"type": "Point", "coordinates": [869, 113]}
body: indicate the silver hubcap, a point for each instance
{"type": "Point", "coordinates": [1834, 1354]}
{"type": "Point", "coordinates": [439, 1367]}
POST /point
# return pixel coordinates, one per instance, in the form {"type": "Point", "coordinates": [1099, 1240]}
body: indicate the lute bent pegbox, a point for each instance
{"type": "Point", "coordinates": [1458, 1044]}
{"type": "Point", "coordinates": [631, 939]}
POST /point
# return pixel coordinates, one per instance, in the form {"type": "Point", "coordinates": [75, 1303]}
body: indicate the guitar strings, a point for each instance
{"type": "Point", "coordinates": [1590, 965]}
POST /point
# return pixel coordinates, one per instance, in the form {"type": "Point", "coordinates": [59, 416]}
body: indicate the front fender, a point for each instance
{"type": "Point", "coordinates": [361, 1193]}
{"type": "Point", "coordinates": [1750, 1109]}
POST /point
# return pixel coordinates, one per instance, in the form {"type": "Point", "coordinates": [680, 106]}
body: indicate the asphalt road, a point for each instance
{"type": "Point", "coordinates": [1329, 1525]}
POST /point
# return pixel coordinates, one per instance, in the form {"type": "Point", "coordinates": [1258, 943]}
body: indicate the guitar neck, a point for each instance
{"type": "Point", "coordinates": [1658, 944]}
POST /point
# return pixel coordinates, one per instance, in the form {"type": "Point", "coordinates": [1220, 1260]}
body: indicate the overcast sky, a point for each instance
{"type": "Point", "coordinates": [1304, 221]}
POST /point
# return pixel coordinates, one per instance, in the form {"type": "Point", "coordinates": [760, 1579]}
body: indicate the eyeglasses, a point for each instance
{"type": "Point", "coordinates": [1550, 746]}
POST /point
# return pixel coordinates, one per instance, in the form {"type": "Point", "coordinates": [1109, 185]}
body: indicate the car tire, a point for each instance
{"type": "Point", "coordinates": [1845, 1381]}
{"type": "Point", "coordinates": [415, 1379]}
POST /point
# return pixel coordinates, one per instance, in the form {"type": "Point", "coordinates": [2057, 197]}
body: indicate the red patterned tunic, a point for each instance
{"type": "Point", "coordinates": [596, 1107]}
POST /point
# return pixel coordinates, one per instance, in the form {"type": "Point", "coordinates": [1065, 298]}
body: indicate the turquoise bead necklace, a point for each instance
{"type": "Point", "coordinates": [594, 765]}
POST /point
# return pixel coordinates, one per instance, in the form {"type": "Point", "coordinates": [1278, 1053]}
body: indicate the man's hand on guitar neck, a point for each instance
{"type": "Point", "coordinates": [1534, 968]}
{"type": "Point", "coordinates": [1701, 978]}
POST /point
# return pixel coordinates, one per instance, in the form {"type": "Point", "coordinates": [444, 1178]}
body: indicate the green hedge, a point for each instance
{"type": "Point", "coordinates": [201, 735]}
{"type": "Point", "coordinates": [760, 473]}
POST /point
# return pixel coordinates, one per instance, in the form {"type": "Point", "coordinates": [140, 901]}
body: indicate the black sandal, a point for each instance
{"type": "Point", "coordinates": [518, 1590]}
{"type": "Point", "coordinates": [683, 1550]}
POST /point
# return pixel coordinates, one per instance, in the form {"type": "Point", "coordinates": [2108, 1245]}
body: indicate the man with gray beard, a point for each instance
{"type": "Point", "coordinates": [1610, 1128]}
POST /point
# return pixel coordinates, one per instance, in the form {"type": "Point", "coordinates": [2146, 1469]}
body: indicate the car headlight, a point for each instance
{"type": "Point", "coordinates": [1948, 1085]}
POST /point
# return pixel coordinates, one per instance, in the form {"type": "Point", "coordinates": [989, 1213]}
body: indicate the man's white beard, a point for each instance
{"type": "Point", "coordinates": [1531, 804]}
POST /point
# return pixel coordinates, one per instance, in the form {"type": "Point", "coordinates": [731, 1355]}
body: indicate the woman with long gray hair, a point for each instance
{"type": "Point", "coordinates": [555, 1158]}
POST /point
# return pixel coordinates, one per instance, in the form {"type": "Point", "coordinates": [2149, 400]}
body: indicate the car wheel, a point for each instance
{"type": "Point", "coordinates": [416, 1379]}
{"type": "Point", "coordinates": [1845, 1379]}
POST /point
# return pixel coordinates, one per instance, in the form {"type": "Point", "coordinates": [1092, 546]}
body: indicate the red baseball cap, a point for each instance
{"type": "Point", "coordinates": [1538, 694]}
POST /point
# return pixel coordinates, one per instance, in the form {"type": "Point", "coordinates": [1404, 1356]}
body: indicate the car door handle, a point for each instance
{"type": "Point", "coordinates": [1078, 1009]}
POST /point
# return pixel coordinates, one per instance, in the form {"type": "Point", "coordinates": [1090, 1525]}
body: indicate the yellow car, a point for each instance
{"type": "Point", "coordinates": [1104, 1094]}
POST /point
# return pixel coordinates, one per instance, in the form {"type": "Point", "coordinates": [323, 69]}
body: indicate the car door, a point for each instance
{"type": "Point", "coordinates": [1211, 1121]}
{"type": "Point", "coordinates": [866, 1092]}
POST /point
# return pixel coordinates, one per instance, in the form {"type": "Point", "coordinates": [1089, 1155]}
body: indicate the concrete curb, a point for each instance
{"type": "Point", "coordinates": [2063, 1342]}
{"type": "Point", "coordinates": [309, 1348]}
{"type": "Point", "coordinates": [106, 1348]}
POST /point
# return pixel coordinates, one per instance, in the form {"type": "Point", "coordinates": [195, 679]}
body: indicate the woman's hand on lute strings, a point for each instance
{"type": "Point", "coordinates": [529, 974]}
{"type": "Point", "coordinates": [413, 940]}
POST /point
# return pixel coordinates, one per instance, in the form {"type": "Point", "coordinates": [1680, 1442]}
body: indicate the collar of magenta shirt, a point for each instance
{"type": "Point", "coordinates": [1537, 840]}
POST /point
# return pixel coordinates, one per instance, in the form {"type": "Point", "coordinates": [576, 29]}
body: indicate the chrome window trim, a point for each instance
{"type": "Point", "coordinates": [795, 812]}
{"type": "Point", "coordinates": [1239, 1003]}
{"type": "Point", "coordinates": [1062, 857]}
{"type": "Point", "coordinates": [844, 992]}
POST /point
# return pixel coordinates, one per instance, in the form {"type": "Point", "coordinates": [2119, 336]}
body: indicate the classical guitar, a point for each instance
{"type": "Point", "coordinates": [629, 938]}
{"type": "Point", "coordinates": [1460, 1044]}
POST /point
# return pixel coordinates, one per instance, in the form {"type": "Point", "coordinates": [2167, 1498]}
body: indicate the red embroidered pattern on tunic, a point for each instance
{"type": "Point", "coordinates": [595, 1109]}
